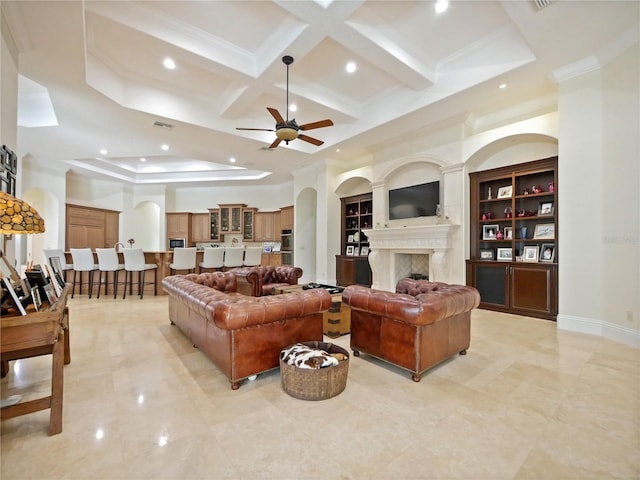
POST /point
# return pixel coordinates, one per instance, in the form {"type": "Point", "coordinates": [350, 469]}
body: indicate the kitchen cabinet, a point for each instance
{"type": "Point", "coordinates": [231, 219]}
{"type": "Point", "coordinates": [214, 223]}
{"type": "Point", "coordinates": [248, 215]}
{"type": "Point", "coordinates": [271, 259]}
{"type": "Point", "coordinates": [179, 226]}
{"type": "Point", "coordinates": [200, 228]}
{"type": "Point", "coordinates": [266, 226]}
{"type": "Point", "coordinates": [286, 218]}
{"type": "Point", "coordinates": [89, 227]}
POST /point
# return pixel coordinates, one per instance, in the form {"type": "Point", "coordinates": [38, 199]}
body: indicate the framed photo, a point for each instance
{"type": "Point", "coordinates": [356, 251]}
{"type": "Point", "coordinates": [350, 239]}
{"type": "Point", "coordinates": [547, 252]}
{"type": "Point", "coordinates": [530, 253]}
{"type": "Point", "coordinates": [545, 209]}
{"type": "Point", "coordinates": [50, 293]}
{"type": "Point", "coordinates": [489, 232]}
{"type": "Point", "coordinates": [505, 254]}
{"type": "Point", "coordinates": [364, 251]}
{"type": "Point", "coordinates": [486, 254]}
{"type": "Point", "coordinates": [508, 233]}
{"type": "Point", "coordinates": [545, 231]}
{"type": "Point", "coordinates": [57, 270]}
{"type": "Point", "coordinates": [57, 288]}
{"type": "Point", "coordinates": [35, 298]}
{"type": "Point", "coordinates": [13, 296]}
{"type": "Point", "coordinates": [350, 250]}
{"type": "Point", "coordinates": [505, 192]}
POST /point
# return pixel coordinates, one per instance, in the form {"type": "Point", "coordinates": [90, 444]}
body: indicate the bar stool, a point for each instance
{"type": "Point", "coordinates": [213, 258]}
{"type": "Point", "coordinates": [108, 261]}
{"type": "Point", "coordinates": [233, 257]}
{"type": "Point", "coordinates": [134, 262]}
{"type": "Point", "coordinates": [59, 253]}
{"type": "Point", "coordinates": [183, 259]}
{"type": "Point", "coordinates": [82, 262]}
{"type": "Point", "coordinates": [252, 256]}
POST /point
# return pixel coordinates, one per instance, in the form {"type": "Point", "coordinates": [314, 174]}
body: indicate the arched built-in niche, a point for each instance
{"type": "Point", "coordinates": [511, 150]}
{"type": "Point", "coordinates": [305, 246]}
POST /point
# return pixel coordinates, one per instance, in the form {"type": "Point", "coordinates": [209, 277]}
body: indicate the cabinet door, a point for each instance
{"type": "Point", "coordinates": [491, 281]}
{"type": "Point", "coordinates": [178, 225]}
{"type": "Point", "coordinates": [112, 229]}
{"type": "Point", "coordinates": [259, 226]}
{"type": "Point", "coordinates": [214, 219]}
{"type": "Point", "coordinates": [345, 271]}
{"type": "Point", "coordinates": [85, 236]}
{"type": "Point", "coordinates": [247, 225]}
{"type": "Point", "coordinates": [287, 218]}
{"type": "Point", "coordinates": [533, 289]}
{"type": "Point", "coordinates": [200, 228]}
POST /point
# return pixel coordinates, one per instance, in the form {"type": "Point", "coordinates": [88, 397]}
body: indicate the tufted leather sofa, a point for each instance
{"type": "Point", "coordinates": [259, 281]}
{"type": "Point", "coordinates": [243, 335]}
{"type": "Point", "coordinates": [415, 328]}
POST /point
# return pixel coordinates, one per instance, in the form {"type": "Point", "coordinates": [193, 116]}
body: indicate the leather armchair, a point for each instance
{"type": "Point", "coordinates": [416, 327]}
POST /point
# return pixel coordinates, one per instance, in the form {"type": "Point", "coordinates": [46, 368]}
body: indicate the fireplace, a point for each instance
{"type": "Point", "coordinates": [396, 252]}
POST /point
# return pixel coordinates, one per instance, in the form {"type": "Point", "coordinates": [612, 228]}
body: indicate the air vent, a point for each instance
{"type": "Point", "coordinates": [540, 4]}
{"type": "Point", "coordinates": [167, 126]}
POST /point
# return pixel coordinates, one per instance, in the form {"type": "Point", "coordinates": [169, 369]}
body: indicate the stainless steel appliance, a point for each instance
{"type": "Point", "coordinates": [177, 243]}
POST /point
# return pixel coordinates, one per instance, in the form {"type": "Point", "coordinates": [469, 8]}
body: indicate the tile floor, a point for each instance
{"type": "Point", "coordinates": [527, 402]}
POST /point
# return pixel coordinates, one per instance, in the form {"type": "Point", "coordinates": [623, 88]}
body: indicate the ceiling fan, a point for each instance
{"type": "Point", "coordinates": [288, 130]}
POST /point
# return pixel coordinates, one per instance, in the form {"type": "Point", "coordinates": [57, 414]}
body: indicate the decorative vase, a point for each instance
{"type": "Point", "coordinates": [552, 186]}
{"type": "Point", "coordinates": [523, 232]}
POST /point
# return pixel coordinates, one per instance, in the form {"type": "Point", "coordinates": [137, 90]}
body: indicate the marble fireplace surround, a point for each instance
{"type": "Point", "coordinates": [385, 243]}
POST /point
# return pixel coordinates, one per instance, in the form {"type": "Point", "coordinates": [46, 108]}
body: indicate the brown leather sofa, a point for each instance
{"type": "Point", "coordinates": [259, 281]}
{"type": "Point", "coordinates": [243, 335]}
{"type": "Point", "coordinates": [415, 328]}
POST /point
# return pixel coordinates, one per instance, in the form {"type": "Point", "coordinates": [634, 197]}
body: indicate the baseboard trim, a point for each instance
{"type": "Point", "coordinates": [600, 328]}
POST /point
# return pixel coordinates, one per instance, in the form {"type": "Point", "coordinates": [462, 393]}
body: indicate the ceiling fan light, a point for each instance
{"type": "Point", "coordinates": [287, 134]}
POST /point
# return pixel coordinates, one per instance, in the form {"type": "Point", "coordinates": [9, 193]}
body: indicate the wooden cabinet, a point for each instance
{"type": "Point", "coordinates": [179, 226]}
{"type": "Point", "coordinates": [231, 219]}
{"type": "Point", "coordinates": [286, 218]}
{"type": "Point", "coordinates": [247, 224]}
{"type": "Point", "coordinates": [352, 265]}
{"type": "Point", "coordinates": [352, 270]}
{"type": "Point", "coordinates": [513, 246]}
{"type": "Point", "coordinates": [214, 224]}
{"type": "Point", "coordinates": [88, 227]}
{"type": "Point", "coordinates": [266, 226]}
{"type": "Point", "coordinates": [271, 259]}
{"type": "Point", "coordinates": [200, 228]}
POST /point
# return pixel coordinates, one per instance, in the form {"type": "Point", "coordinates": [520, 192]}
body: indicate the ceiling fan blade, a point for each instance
{"type": "Point", "coordinates": [306, 138]}
{"type": "Point", "coordinates": [320, 124]}
{"type": "Point", "coordinates": [257, 129]}
{"type": "Point", "coordinates": [276, 114]}
{"type": "Point", "coordinates": [275, 143]}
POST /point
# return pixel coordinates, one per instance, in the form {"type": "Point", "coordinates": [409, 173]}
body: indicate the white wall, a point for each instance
{"type": "Point", "coordinates": [599, 272]}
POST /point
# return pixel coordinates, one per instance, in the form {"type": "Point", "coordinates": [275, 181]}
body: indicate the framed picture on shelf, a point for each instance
{"type": "Point", "coordinates": [350, 238]}
{"type": "Point", "coordinates": [530, 253]}
{"type": "Point", "coordinates": [51, 294]}
{"type": "Point", "coordinates": [350, 250]}
{"type": "Point", "coordinates": [545, 209]}
{"type": "Point", "coordinates": [505, 192]}
{"type": "Point", "coordinates": [13, 296]}
{"type": "Point", "coordinates": [504, 254]}
{"type": "Point", "coordinates": [508, 233]}
{"type": "Point", "coordinates": [547, 252]}
{"type": "Point", "coordinates": [364, 251]}
{"type": "Point", "coordinates": [486, 254]}
{"type": "Point", "coordinates": [356, 251]}
{"type": "Point", "coordinates": [545, 231]}
{"type": "Point", "coordinates": [35, 297]}
{"type": "Point", "coordinates": [489, 232]}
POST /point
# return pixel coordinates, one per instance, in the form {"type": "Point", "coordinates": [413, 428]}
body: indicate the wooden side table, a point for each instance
{"type": "Point", "coordinates": [34, 334]}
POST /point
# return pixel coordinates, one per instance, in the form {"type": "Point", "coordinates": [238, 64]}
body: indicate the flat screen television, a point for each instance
{"type": "Point", "coordinates": [414, 201]}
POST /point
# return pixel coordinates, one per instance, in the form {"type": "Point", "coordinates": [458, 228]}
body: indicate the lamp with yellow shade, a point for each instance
{"type": "Point", "coordinates": [18, 217]}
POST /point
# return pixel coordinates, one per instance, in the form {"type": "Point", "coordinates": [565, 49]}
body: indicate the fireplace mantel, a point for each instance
{"type": "Point", "coordinates": [385, 243]}
{"type": "Point", "coordinates": [413, 236]}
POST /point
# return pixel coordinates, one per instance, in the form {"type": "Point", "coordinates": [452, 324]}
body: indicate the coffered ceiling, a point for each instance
{"type": "Point", "coordinates": [98, 66]}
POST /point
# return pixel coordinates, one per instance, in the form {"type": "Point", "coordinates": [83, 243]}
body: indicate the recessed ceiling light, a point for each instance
{"type": "Point", "coordinates": [169, 63]}
{"type": "Point", "coordinates": [293, 107]}
{"type": "Point", "coordinates": [351, 67]}
{"type": "Point", "coordinates": [165, 147]}
{"type": "Point", "coordinates": [232, 160]}
{"type": "Point", "coordinates": [143, 159]}
{"type": "Point", "coordinates": [337, 149]}
{"type": "Point", "coordinates": [503, 85]}
{"type": "Point", "coordinates": [103, 151]}
{"type": "Point", "coordinates": [441, 6]}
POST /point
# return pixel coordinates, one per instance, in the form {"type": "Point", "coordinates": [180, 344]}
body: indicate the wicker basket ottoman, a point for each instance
{"type": "Point", "coordinates": [319, 384]}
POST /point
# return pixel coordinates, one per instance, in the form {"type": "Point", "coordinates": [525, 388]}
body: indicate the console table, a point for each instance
{"type": "Point", "coordinates": [38, 333]}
